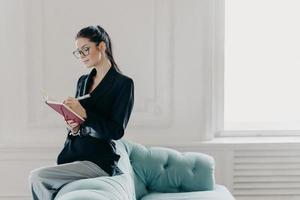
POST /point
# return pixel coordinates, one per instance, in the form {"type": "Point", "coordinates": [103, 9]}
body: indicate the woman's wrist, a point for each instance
{"type": "Point", "coordinates": [76, 129]}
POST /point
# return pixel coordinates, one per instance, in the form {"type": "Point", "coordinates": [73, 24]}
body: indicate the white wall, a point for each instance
{"type": "Point", "coordinates": [163, 45]}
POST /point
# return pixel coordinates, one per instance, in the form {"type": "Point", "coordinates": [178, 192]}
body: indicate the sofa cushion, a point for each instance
{"type": "Point", "coordinates": [220, 192]}
{"type": "Point", "coordinates": [90, 195]}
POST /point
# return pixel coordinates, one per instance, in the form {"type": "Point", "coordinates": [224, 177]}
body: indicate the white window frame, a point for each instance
{"type": "Point", "coordinates": [217, 82]}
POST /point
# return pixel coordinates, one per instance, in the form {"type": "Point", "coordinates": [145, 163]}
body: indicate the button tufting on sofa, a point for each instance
{"type": "Point", "coordinates": [147, 188]}
{"type": "Point", "coordinates": [180, 188]}
{"type": "Point", "coordinates": [194, 169]}
{"type": "Point", "coordinates": [166, 165]}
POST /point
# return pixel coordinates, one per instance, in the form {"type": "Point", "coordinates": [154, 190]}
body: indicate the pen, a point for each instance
{"type": "Point", "coordinates": [84, 97]}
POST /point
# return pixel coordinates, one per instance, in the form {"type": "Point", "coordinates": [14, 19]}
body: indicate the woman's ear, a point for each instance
{"type": "Point", "coordinates": [102, 46]}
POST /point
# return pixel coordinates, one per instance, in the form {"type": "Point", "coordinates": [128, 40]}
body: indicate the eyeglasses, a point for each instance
{"type": "Point", "coordinates": [85, 51]}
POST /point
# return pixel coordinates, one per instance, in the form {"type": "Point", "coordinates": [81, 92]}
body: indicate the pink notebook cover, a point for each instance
{"type": "Point", "coordinates": [65, 111]}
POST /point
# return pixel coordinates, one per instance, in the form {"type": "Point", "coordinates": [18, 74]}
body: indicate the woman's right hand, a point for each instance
{"type": "Point", "coordinates": [74, 126]}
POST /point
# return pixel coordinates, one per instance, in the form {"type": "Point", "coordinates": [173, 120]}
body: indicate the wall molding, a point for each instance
{"type": "Point", "coordinates": [155, 111]}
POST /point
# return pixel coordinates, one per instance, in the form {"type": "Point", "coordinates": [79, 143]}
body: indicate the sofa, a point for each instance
{"type": "Point", "coordinates": [155, 173]}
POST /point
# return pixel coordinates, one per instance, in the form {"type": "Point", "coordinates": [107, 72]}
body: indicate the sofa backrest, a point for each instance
{"type": "Point", "coordinates": [159, 169]}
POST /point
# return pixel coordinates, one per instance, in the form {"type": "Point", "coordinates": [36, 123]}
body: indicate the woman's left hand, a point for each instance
{"type": "Point", "coordinates": [74, 104]}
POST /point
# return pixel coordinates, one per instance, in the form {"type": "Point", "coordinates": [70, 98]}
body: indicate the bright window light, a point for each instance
{"type": "Point", "coordinates": [262, 65]}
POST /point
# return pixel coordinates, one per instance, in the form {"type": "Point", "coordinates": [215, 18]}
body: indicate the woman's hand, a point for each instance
{"type": "Point", "coordinates": [75, 106]}
{"type": "Point", "coordinates": [74, 126]}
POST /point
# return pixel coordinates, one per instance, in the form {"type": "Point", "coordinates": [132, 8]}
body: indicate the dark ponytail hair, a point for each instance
{"type": "Point", "coordinates": [97, 34]}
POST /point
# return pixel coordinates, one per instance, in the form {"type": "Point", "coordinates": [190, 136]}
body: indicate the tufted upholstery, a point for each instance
{"type": "Point", "coordinates": [161, 169]}
{"type": "Point", "coordinates": [151, 174]}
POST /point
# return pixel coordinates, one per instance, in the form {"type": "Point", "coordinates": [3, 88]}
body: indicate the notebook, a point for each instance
{"type": "Point", "coordinates": [65, 111]}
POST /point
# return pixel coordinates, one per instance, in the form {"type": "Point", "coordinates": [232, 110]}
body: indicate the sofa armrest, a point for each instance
{"type": "Point", "coordinates": [105, 188]}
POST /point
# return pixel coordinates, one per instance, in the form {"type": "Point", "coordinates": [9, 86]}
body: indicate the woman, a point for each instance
{"type": "Point", "coordinates": [89, 150]}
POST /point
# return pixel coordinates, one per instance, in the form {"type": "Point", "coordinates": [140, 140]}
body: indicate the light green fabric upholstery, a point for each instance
{"type": "Point", "coordinates": [220, 192]}
{"type": "Point", "coordinates": [151, 174]}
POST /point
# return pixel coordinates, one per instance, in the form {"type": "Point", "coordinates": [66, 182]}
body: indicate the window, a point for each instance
{"type": "Point", "coordinates": [262, 65]}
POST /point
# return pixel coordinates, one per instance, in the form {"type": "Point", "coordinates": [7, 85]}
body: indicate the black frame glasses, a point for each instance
{"type": "Point", "coordinates": [84, 51]}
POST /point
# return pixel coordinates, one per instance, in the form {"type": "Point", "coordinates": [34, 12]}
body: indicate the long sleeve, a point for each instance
{"type": "Point", "coordinates": [113, 126]}
{"type": "Point", "coordinates": [79, 83]}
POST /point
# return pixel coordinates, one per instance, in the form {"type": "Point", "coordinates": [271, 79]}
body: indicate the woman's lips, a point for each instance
{"type": "Point", "coordinates": [85, 61]}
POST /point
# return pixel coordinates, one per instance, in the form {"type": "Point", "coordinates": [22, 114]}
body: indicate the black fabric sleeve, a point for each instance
{"type": "Point", "coordinates": [113, 127]}
{"type": "Point", "coordinates": [78, 87]}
